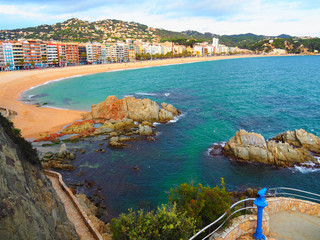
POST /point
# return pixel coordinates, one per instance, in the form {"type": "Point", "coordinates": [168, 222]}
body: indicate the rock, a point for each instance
{"type": "Point", "coordinates": [145, 130]}
{"type": "Point", "coordinates": [217, 150]}
{"type": "Point", "coordinates": [78, 127]}
{"type": "Point", "coordinates": [56, 140]}
{"type": "Point", "coordinates": [74, 137]}
{"type": "Point", "coordinates": [246, 146]}
{"type": "Point", "coordinates": [138, 110]}
{"type": "Point", "coordinates": [101, 144]}
{"type": "Point", "coordinates": [149, 138]}
{"type": "Point", "coordinates": [300, 138]}
{"type": "Point", "coordinates": [48, 155]}
{"type": "Point", "coordinates": [136, 168]}
{"type": "Point", "coordinates": [113, 143]}
{"type": "Point", "coordinates": [29, 205]}
{"type": "Point", "coordinates": [102, 150]}
{"type": "Point", "coordinates": [72, 156]}
{"type": "Point", "coordinates": [82, 151]}
{"type": "Point", "coordinates": [63, 149]}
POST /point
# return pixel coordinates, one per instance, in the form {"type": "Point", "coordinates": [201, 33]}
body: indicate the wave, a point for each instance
{"type": "Point", "coordinates": [305, 169]}
{"type": "Point", "coordinates": [55, 80]}
{"type": "Point", "coordinates": [177, 118]}
{"type": "Point", "coordinates": [46, 106]}
{"type": "Point", "coordinates": [167, 94]}
{"type": "Point", "coordinates": [146, 94]}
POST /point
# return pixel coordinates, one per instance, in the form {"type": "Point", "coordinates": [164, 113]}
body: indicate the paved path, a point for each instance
{"type": "Point", "coordinates": [294, 226]}
{"type": "Point", "coordinates": [72, 213]}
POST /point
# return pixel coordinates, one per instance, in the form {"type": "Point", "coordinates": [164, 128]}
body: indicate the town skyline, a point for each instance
{"type": "Point", "coordinates": [271, 18]}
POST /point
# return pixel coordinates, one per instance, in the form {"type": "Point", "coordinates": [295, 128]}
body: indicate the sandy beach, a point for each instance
{"type": "Point", "coordinates": [33, 120]}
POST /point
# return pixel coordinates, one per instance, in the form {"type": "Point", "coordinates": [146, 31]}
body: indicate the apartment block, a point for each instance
{"type": "Point", "coordinates": [92, 53]}
{"type": "Point", "coordinates": [52, 54]}
{"type": "Point", "coordinates": [82, 54]}
{"type": "Point", "coordinates": [18, 56]}
{"type": "Point", "coordinates": [72, 53]}
{"type": "Point", "coordinates": [32, 53]}
{"type": "Point", "coordinates": [61, 50]}
{"type": "Point", "coordinates": [2, 63]}
{"type": "Point", "coordinates": [8, 56]}
{"type": "Point", "coordinates": [43, 52]}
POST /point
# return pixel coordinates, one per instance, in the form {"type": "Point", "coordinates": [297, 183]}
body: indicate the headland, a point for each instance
{"type": "Point", "coordinates": [34, 120]}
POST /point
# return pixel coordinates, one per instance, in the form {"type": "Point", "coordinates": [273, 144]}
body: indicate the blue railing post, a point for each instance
{"type": "Point", "coordinates": [261, 203]}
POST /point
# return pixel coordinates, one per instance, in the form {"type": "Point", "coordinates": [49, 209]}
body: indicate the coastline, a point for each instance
{"type": "Point", "coordinates": [34, 121]}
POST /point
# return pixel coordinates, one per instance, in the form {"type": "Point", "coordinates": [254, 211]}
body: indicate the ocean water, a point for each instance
{"type": "Point", "coordinates": [217, 98]}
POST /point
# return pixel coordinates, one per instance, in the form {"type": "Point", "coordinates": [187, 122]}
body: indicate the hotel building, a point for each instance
{"type": "Point", "coordinates": [8, 56]}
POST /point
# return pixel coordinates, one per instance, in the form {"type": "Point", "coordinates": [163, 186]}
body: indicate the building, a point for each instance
{"type": "Point", "coordinates": [32, 53]}
{"type": "Point", "coordinates": [215, 42]}
{"type": "Point", "coordinates": [72, 53]}
{"type": "Point", "coordinates": [44, 54]}
{"type": "Point", "coordinates": [52, 54]}
{"type": "Point", "coordinates": [119, 53]}
{"type": "Point", "coordinates": [2, 62]}
{"type": "Point", "coordinates": [17, 51]}
{"type": "Point", "coordinates": [8, 56]}
{"type": "Point", "coordinates": [92, 53]}
{"type": "Point", "coordinates": [61, 51]}
{"type": "Point", "coordinates": [82, 54]}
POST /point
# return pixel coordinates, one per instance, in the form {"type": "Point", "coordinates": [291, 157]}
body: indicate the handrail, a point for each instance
{"type": "Point", "coordinates": [205, 228]}
{"type": "Point", "coordinates": [293, 194]}
{"type": "Point", "coordinates": [270, 194]}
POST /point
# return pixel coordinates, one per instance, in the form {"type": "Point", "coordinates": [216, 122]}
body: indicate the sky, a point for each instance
{"type": "Point", "coordinates": [265, 17]}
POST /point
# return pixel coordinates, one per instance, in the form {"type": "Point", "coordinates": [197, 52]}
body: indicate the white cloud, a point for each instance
{"type": "Point", "coordinates": [267, 17]}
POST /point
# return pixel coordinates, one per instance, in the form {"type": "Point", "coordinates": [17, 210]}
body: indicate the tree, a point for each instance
{"type": "Point", "coordinates": [204, 204]}
{"type": "Point", "coordinates": [43, 59]}
{"type": "Point", "coordinates": [22, 62]}
{"type": "Point", "coordinates": [33, 64]}
{"type": "Point", "coordinates": [8, 65]}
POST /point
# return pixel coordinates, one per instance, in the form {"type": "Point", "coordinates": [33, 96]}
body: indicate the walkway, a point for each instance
{"type": "Point", "coordinates": [72, 213]}
{"type": "Point", "coordinates": [294, 226]}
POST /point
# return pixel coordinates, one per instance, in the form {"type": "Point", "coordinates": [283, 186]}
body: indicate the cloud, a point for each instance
{"type": "Point", "coordinates": [269, 17]}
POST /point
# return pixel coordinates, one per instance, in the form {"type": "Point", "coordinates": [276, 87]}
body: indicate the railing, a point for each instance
{"type": "Point", "coordinates": [272, 193]}
{"type": "Point", "coordinates": [224, 217]}
{"type": "Point", "coordinates": [293, 193]}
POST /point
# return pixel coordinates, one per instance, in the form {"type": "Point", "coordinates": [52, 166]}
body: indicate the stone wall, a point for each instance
{"type": "Point", "coordinates": [246, 224]}
{"type": "Point", "coordinates": [291, 204]}
{"type": "Point", "coordinates": [243, 225]}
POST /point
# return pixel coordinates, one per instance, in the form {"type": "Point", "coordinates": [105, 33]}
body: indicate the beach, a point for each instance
{"type": "Point", "coordinates": [34, 121]}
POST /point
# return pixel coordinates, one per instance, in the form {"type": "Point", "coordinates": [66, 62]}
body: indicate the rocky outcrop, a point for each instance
{"type": "Point", "coordinates": [29, 206]}
{"type": "Point", "coordinates": [252, 147]}
{"type": "Point", "coordinates": [138, 110]}
{"type": "Point", "coordinates": [300, 138]}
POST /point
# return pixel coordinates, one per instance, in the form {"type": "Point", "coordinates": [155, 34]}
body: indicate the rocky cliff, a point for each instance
{"type": "Point", "coordinates": [29, 206]}
{"type": "Point", "coordinates": [285, 150]}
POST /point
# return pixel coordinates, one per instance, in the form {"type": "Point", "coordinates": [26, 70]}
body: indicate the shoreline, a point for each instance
{"type": "Point", "coordinates": [34, 121]}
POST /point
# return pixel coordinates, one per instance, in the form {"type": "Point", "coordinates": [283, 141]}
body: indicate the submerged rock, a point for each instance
{"type": "Point", "coordinates": [252, 147]}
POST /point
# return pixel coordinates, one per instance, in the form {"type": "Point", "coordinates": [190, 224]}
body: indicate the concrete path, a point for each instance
{"type": "Point", "coordinates": [294, 226]}
{"type": "Point", "coordinates": [72, 213]}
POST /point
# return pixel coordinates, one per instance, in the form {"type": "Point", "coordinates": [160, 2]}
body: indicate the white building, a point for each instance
{"type": "Point", "coordinates": [215, 42]}
{"type": "Point", "coordinates": [8, 55]}
{"type": "Point", "coordinates": [52, 53]}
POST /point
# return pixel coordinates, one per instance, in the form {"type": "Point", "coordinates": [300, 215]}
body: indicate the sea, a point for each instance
{"type": "Point", "coordinates": [268, 95]}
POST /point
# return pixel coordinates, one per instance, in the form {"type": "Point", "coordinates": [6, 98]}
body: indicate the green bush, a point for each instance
{"type": "Point", "coordinates": [165, 223]}
{"type": "Point", "coordinates": [204, 204]}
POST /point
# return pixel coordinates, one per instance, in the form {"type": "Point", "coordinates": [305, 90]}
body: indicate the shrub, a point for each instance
{"type": "Point", "coordinates": [204, 204]}
{"type": "Point", "coordinates": [165, 223]}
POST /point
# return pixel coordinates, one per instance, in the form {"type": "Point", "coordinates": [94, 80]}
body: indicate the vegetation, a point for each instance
{"type": "Point", "coordinates": [204, 204]}
{"type": "Point", "coordinates": [25, 148]}
{"type": "Point", "coordinates": [164, 223]}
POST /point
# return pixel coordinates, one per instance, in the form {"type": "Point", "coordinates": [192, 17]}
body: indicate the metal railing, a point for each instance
{"type": "Point", "coordinates": [293, 193]}
{"type": "Point", "coordinates": [272, 193]}
{"type": "Point", "coordinates": [224, 217]}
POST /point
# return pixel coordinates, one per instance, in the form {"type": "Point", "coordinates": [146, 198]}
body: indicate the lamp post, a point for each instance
{"type": "Point", "coordinates": [261, 203]}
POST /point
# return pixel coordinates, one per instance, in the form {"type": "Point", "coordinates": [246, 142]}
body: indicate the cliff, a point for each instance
{"type": "Point", "coordinates": [29, 206]}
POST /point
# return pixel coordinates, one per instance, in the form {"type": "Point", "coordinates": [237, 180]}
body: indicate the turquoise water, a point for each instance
{"type": "Point", "coordinates": [264, 95]}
